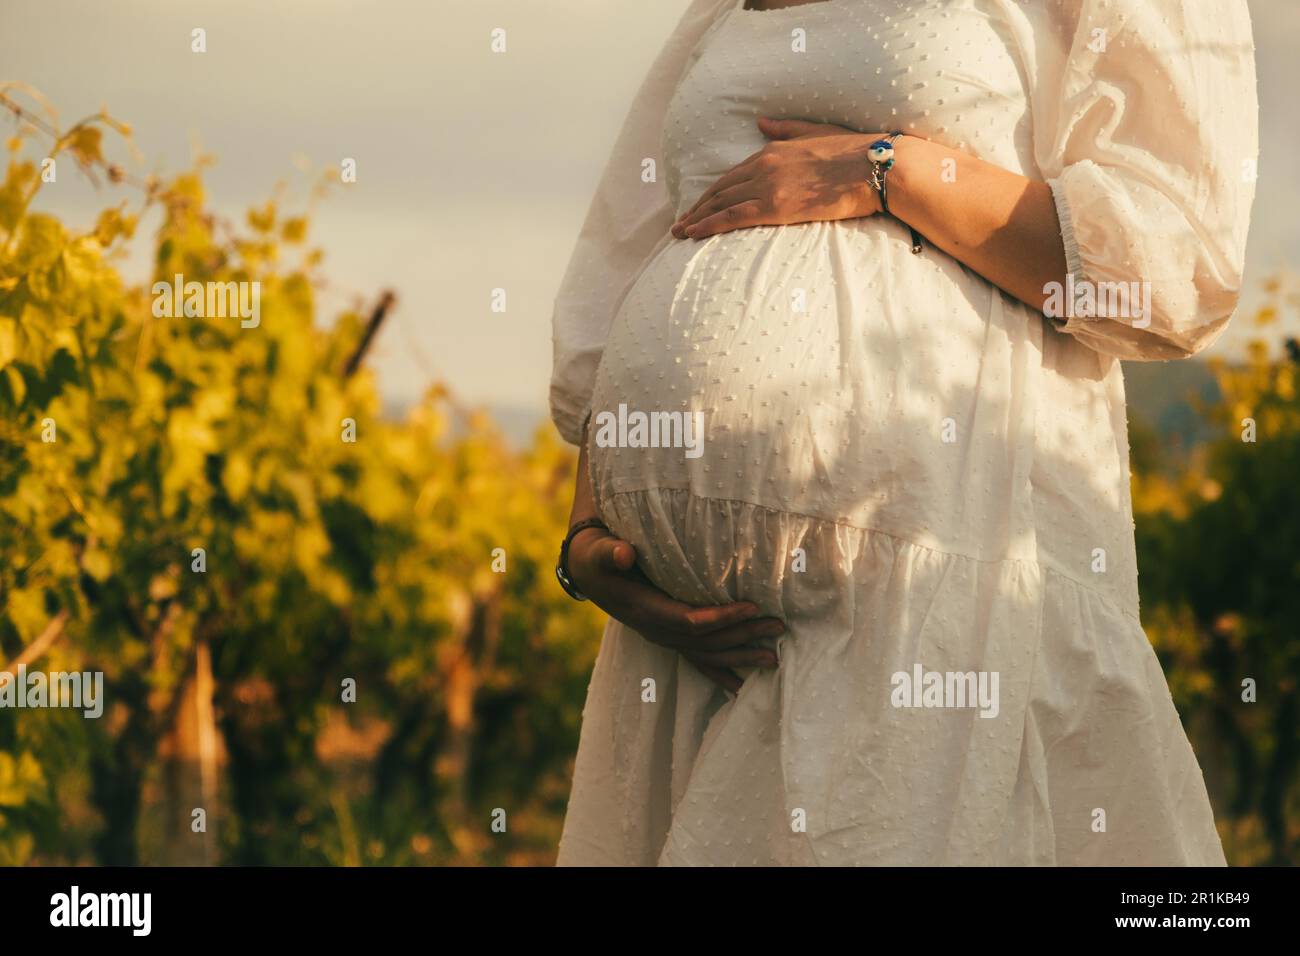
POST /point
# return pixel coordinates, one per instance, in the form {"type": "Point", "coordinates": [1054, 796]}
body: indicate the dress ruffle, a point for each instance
{"type": "Point", "coordinates": [1084, 763]}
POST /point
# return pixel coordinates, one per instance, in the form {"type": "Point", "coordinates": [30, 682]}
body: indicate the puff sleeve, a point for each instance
{"type": "Point", "coordinates": [1146, 130]}
{"type": "Point", "coordinates": [626, 224]}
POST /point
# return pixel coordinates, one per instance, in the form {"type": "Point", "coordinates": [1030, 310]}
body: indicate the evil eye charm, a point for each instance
{"type": "Point", "coordinates": [881, 151]}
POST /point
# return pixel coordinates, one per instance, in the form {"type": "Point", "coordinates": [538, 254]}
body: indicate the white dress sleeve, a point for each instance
{"type": "Point", "coordinates": [626, 224]}
{"type": "Point", "coordinates": [1146, 129]}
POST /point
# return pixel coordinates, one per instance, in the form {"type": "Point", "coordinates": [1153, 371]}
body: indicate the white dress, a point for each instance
{"type": "Point", "coordinates": [917, 473]}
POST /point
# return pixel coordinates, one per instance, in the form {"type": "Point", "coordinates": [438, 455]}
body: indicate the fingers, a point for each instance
{"type": "Point", "coordinates": [795, 128]}
{"type": "Point", "coordinates": [614, 582]}
{"type": "Point", "coordinates": [613, 554]}
{"type": "Point", "coordinates": [709, 629]}
{"type": "Point", "coordinates": [781, 128]}
{"type": "Point", "coordinates": [629, 597]}
{"type": "Point", "coordinates": [731, 196]}
{"type": "Point", "coordinates": [697, 622]}
{"type": "Point", "coordinates": [774, 129]}
{"type": "Point", "coordinates": [736, 657]}
{"type": "Point", "coordinates": [743, 215]}
{"type": "Point", "coordinates": [663, 619]}
{"type": "Point", "coordinates": [733, 177]}
{"type": "Point", "coordinates": [741, 635]}
{"type": "Point", "coordinates": [597, 557]}
{"type": "Point", "coordinates": [724, 678]}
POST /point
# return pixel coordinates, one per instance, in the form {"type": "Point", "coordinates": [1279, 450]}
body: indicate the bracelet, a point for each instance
{"type": "Point", "coordinates": [562, 565]}
{"type": "Point", "coordinates": [881, 155]}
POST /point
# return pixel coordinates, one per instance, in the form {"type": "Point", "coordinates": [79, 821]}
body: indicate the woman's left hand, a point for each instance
{"type": "Point", "coordinates": [809, 172]}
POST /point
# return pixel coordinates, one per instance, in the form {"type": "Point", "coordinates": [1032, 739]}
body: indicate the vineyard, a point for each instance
{"type": "Point", "coordinates": [316, 626]}
{"type": "Point", "coordinates": [330, 637]}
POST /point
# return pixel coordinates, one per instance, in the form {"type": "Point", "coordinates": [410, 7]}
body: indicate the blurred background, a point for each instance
{"type": "Point", "coordinates": [375, 659]}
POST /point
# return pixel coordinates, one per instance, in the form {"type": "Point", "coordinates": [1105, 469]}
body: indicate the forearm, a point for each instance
{"type": "Point", "coordinates": [995, 222]}
{"type": "Point", "coordinates": [584, 501]}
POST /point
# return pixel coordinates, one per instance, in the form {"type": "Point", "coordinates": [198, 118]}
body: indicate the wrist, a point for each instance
{"type": "Point", "coordinates": [585, 528]}
{"type": "Point", "coordinates": [562, 572]}
{"type": "Point", "coordinates": [892, 158]}
{"type": "Point", "coordinates": [867, 196]}
{"type": "Point", "coordinates": [903, 174]}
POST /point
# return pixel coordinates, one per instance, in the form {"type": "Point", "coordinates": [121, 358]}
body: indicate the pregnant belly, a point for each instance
{"type": "Point", "coordinates": [819, 369]}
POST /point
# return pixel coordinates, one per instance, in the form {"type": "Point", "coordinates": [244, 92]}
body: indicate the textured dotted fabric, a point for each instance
{"type": "Point", "coordinates": [906, 466]}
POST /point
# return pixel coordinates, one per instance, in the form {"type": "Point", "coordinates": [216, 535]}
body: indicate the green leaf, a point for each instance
{"type": "Point", "coordinates": [8, 340]}
{"type": "Point", "coordinates": [16, 383]}
{"type": "Point", "coordinates": [97, 563]}
{"type": "Point", "coordinates": [20, 779]}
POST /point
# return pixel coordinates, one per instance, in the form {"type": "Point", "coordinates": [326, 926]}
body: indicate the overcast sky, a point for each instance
{"type": "Point", "coordinates": [474, 169]}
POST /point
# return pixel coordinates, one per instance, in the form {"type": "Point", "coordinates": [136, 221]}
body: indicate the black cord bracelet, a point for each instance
{"type": "Point", "coordinates": [881, 155]}
{"type": "Point", "coordinates": [562, 565]}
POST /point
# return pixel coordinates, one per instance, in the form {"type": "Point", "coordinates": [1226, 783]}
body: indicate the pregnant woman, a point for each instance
{"type": "Point", "coordinates": [854, 480]}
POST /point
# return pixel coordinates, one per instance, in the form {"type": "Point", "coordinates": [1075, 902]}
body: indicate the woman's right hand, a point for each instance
{"type": "Point", "coordinates": [715, 638]}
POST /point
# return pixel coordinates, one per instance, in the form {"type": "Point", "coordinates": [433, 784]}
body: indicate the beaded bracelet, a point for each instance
{"type": "Point", "coordinates": [881, 155]}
